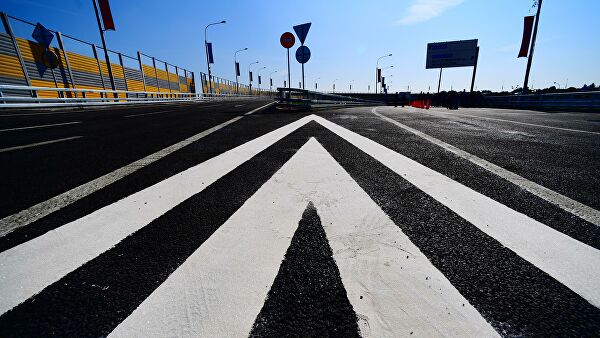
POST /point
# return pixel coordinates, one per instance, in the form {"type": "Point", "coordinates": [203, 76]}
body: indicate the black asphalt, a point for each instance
{"type": "Point", "coordinates": [514, 296]}
{"type": "Point", "coordinates": [307, 296]}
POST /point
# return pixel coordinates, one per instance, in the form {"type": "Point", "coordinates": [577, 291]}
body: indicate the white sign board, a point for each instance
{"type": "Point", "coordinates": [451, 54]}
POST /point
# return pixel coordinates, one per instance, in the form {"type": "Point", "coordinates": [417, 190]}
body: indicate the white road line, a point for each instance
{"type": "Point", "coordinates": [220, 289]}
{"type": "Point", "coordinates": [28, 268]}
{"type": "Point", "coordinates": [35, 145]}
{"type": "Point", "coordinates": [572, 263]}
{"type": "Point", "coordinates": [576, 208]}
{"type": "Point", "coordinates": [152, 113]}
{"type": "Point", "coordinates": [43, 209]}
{"type": "Point", "coordinates": [239, 105]}
{"type": "Point", "coordinates": [40, 126]}
{"type": "Point", "coordinates": [523, 123]}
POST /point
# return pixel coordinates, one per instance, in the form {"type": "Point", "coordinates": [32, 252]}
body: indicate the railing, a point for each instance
{"type": "Point", "coordinates": [294, 98]}
{"type": "Point", "coordinates": [12, 97]}
{"type": "Point", "coordinates": [81, 64]}
{"type": "Point", "coordinates": [560, 101]}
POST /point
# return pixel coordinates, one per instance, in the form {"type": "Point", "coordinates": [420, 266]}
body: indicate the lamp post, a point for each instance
{"type": "Point", "coordinates": [206, 50]}
{"type": "Point", "coordinates": [334, 85]}
{"type": "Point", "coordinates": [377, 70]}
{"type": "Point", "coordinates": [316, 83]}
{"type": "Point", "coordinates": [271, 80]}
{"type": "Point", "coordinates": [237, 81]}
{"type": "Point", "coordinates": [351, 85]}
{"type": "Point", "coordinates": [258, 77]}
{"type": "Point", "coordinates": [250, 75]}
{"type": "Point", "coordinates": [558, 84]}
{"type": "Point", "coordinates": [392, 66]}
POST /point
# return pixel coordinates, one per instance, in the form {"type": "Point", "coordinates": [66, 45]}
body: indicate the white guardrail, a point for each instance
{"type": "Point", "coordinates": [12, 96]}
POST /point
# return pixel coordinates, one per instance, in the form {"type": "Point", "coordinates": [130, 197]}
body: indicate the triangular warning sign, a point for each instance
{"type": "Point", "coordinates": [302, 31]}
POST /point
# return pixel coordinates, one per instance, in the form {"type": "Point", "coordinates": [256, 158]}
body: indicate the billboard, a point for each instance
{"type": "Point", "coordinates": [449, 54]}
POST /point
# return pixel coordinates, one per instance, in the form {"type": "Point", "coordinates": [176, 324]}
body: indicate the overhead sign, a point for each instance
{"type": "Point", "coordinates": [302, 31]}
{"type": "Point", "coordinates": [42, 35]}
{"type": "Point", "coordinates": [287, 40]}
{"type": "Point", "coordinates": [451, 54]}
{"type": "Point", "coordinates": [302, 54]}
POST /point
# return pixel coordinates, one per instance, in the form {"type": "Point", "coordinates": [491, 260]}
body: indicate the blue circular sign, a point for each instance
{"type": "Point", "coordinates": [302, 54]}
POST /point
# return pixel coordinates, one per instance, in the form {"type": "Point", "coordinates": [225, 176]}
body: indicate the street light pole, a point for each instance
{"type": "Point", "coordinates": [392, 66]}
{"type": "Point", "coordinates": [377, 71]}
{"type": "Point", "coordinates": [249, 77]}
{"type": "Point", "coordinates": [110, 74]}
{"type": "Point", "coordinates": [530, 58]}
{"type": "Point", "coordinates": [258, 77]}
{"type": "Point", "coordinates": [316, 83]}
{"type": "Point", "coordinates": [351, 85]}
{"type": "Point", "coordinates": [206, 51]}
{"type": "Point", "coordinates": [237, 81]}
{"type": "Point", "coordinates": [271, 81]}
{"type": "Point", "coordinates": [334, 85]}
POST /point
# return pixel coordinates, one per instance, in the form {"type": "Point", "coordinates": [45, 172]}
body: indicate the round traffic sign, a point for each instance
{"type": "Point", "coordinates": [302, 54]}
{"type": "Point", "coordinates": [287, 40]}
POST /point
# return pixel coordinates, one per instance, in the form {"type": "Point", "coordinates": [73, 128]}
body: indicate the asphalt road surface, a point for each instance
{"type": "Point", "coordinates": [223, 219]}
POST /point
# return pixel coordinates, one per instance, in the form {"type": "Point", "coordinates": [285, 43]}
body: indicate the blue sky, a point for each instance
{"type": "Point", "coordinates": [346, 37]}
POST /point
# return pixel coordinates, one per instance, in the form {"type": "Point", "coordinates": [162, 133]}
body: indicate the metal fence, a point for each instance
{"type": "Point", "coordinates": [82, 71]}
{"type": "Point", "coordinates": [224, 86]}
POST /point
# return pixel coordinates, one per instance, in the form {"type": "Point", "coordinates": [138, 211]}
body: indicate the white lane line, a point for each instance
{"type": "Point", "coordinates": [576, 208]}
{"type": "Point", "coordinates": [523, 123]}
{"type": "Point", "coordinates": [40, 126]}
{"type": "Point", "coordinates": [152, 113]}
{"type": "Point", "coordinates": [167, 111]}
{"type": "Point", "coordinates": [572, 263]}
{"type": "Point", "coordinates": [43, 209]}
{"type": "Point", "coordinates": [35, 145]}
{"type": "Point", "coordinates": [28, 268]}
{"type": "Point", "coordinates": [220, 289]}
{"type": "Point", "coordinates": [239, 105]}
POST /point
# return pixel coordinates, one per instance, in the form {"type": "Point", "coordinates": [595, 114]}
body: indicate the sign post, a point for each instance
{"type": "Point", "coordinates": [463, 53]}
{"type": "Point", "coordinates": [302, 31]}
{"type": "Point", "coordinates": [287, 40]}
{"type": "Point", "coordinates": [108, 25]}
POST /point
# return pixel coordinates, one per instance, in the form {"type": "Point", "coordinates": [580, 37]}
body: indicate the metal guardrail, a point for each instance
{"type": "Point", "coordinates": [106, 97]}
{"type": "Point", "coordinates": [561, 101]}
{"type": "Point", "coordinates": [294, 98]}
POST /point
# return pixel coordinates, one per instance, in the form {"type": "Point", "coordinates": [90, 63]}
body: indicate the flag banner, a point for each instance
{"type": "Point", "coordinates": [107, 18]}
{"type": "Point", "coordinates": [250, 76]}
{"type": "Point", "coordinates": [259, 80]}
{"type": "Point", "coordinates": [237, 69]}
{"type": "Point", "coordinates": [210, 52]}
{"type": "Point", "coordinates": [527, 28]}
{"type": "Point", "coordinates": [378, 75]}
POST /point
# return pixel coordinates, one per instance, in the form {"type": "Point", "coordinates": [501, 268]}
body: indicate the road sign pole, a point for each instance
{"type": "Point", "coordinates": [302, 76]}
{"type": "Point", "coordinates": [530, 58]}
{"type": "Point", "coordinates": [475, 69]}
{"type": "Point", "coordinates": [289, 77]}
{"type": "Point", "coordinates": [440, 80]}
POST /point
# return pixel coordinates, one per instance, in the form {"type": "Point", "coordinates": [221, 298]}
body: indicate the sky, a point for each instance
{"type": "Point", "coordinates": [346, 38]}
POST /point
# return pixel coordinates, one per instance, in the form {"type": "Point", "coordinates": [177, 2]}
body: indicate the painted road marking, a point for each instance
{"type": "Point", "coordinates": [40, 126]}
{"type": "Point", "coordinates": [152, 113]}
{"type": "Point", "coordinates": [25, 270]}
{"type": "Point", "coordinates": [576, 208]}
{"type": "Point", "coordinates": [239, 105]}
{"type": "Point", "coordinates": [229, 276]}
{"type": "Point", "coordinates": [523, 123]}
{"type": "Point", "coordinates": [43, 209]}
{"type": "Point", "coordinates": [572, 263]}
{"type": "Point", "coordinates": [3, 150]}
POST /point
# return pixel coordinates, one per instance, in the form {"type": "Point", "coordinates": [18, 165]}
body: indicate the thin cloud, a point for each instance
{"type": "Point", "coordinates": [424, 10]}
